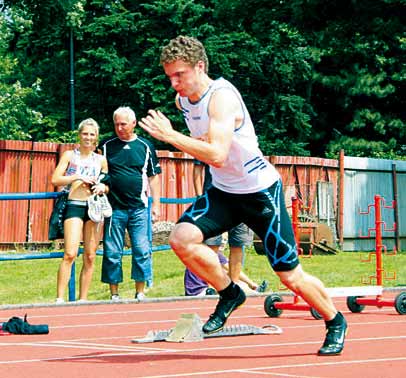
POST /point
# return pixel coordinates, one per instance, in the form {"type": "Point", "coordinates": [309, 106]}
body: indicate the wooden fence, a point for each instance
{"type": "Point", "coordinates": [26, 167]}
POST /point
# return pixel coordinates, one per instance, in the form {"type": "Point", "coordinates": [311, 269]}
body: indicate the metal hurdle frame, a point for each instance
{"type": "Point", "coordinates": [356, 302]}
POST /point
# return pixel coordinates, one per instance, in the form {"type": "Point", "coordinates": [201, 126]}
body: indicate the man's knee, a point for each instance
{"type": "Point", "coordinates": [178, 238]}
{"type": "Point", "coordinates": [183, 236]}
{"type": "Point", "coordinates": [292, 279]}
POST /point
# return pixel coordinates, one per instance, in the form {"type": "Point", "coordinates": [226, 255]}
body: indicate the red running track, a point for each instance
{"type": "Point", "coordinates": [95, 340]}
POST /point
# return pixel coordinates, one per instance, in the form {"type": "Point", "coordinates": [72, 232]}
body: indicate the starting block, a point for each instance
{"type": "Point", "coordinates": [189, 328]}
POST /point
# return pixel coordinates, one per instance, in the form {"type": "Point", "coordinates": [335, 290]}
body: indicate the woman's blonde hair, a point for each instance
{"type": "Point", "coordinates": [89, 122]}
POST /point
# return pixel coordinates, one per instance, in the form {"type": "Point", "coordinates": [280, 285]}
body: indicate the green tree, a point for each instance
{"type": "Point", "coordinates": [19, 116]}
{"type": "Point", "coordinates": [358, 84]}
{"type": "Point", "coordinates": [316, 76]}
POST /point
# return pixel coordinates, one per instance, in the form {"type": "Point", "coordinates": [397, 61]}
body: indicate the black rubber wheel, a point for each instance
{"type": "Point", "coordinates": [269, 306]}
{"type": "Point", "coordinates": [315, 314]}
{"type": "Point", "coordinates": [353, 306]}
{"type": "Point", "coordinates": [400, 303]}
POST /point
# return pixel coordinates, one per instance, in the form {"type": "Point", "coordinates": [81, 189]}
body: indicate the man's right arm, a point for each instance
{"type": "Point", "coordinates": [214, 151]}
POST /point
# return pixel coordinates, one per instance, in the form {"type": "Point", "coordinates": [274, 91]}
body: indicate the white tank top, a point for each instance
{"type": "Point", "coordinates": [246, 170]}
{"type": "Point", "coordinates": [89, 167]}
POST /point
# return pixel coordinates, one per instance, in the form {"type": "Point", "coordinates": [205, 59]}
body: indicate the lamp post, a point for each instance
{"type": "Point", "coordinates": [71, 81]}
{"type": "Point", "coordinates": [67, 6]}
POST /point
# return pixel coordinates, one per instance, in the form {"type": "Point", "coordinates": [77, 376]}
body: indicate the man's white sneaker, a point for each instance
{"type": "Point", "coordinates": [140, 297]}
{"type": "Point", "coordinates": [115, 298]}
{"type": "Point", "coordinates": [95, 208]}
{"type": "Point", "coordinates": [59, 300]}
{"type": "Point", "coordinates": [105, 205]}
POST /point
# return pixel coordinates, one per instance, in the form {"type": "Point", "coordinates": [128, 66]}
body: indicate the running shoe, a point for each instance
{"type": "Point", "coordinates": [105, 205]}
{"type": "Point", "coordinates": [334, 342]}
{"type": "Point", "coordinates": [223, 310]}
{"type": "Point", "coordinates": [95, 211]}
{"type": "Point", "coordinates": [115, 298]}
{"type": "Point", "coordinates": [140, 297]}
{"type": "Point", "coordinates": [262, 288]}
{"type": "Point", "coordinates": [59, 301]}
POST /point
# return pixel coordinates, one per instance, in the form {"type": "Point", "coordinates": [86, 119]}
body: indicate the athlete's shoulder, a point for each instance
{"type": "Point", "coordinates": [223, 84]}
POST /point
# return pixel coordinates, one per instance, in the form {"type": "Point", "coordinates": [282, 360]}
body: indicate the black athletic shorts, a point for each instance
{"type": "Point", "coordinates": [264, 212]}
{"type": "Point", "coordinates": [76, 209]}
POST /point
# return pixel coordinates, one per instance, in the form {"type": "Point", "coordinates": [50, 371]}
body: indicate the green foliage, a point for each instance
{"type": "Point", "coordinates": [366, 148]}
{"type": "Point", "coordinates": [74, 12]}
{"type": "Point", "coordinates": [359, 82]}
{"type": "Point", "coordinates": [18, 117]}
{"type": "Point", "coordinates": [314, 74]}
{"type": "Point", "coordinates": [18, 120]}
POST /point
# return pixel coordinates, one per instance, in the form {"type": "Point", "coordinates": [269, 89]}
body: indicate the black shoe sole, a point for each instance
{"type": "Point", "coordinates": [334, 353]}
{"type": "Point", "coordinates": [216, 330]}
{"type": "Point", "coordinates": [221, 327]}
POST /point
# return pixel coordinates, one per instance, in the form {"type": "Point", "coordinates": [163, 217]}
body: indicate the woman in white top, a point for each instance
{"type": "Point", "coordinates": [78, 171]}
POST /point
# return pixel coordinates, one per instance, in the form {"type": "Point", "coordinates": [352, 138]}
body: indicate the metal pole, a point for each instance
{"type": "Point", "coordinates": [341, 199]}
{"type": "Point", "coordinates": [71, 81]}
{"type": "Point", "coordinates": [71, 285]}
{"type": "Point", "coordinates": [396, 207]}
{"type": "Point", "coordinates": [378, 240]}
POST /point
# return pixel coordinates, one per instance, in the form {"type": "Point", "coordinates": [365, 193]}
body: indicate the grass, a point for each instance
{"type": "Point", "coordinates": [34, 281]}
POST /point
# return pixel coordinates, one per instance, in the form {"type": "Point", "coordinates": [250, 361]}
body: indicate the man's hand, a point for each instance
{"type": "Point", "coordinates": [157, 125]}
{"type": "Point", "coordinates": [156, 212]}
{"type": "Point", "coordinates": [99, 188]}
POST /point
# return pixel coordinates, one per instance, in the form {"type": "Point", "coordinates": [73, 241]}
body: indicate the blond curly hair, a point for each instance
{"type": "Point", "coordinates": [185, 48]}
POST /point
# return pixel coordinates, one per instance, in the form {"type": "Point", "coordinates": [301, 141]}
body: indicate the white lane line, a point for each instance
{"type": "Point", "coordinates": [273, 374]}
{"type": "Point", "coordinates": [217, 372]}
{"type": "Point", "coordinates": [147, 351]}
{"type": "Point", "coordinates": [316, 323]}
